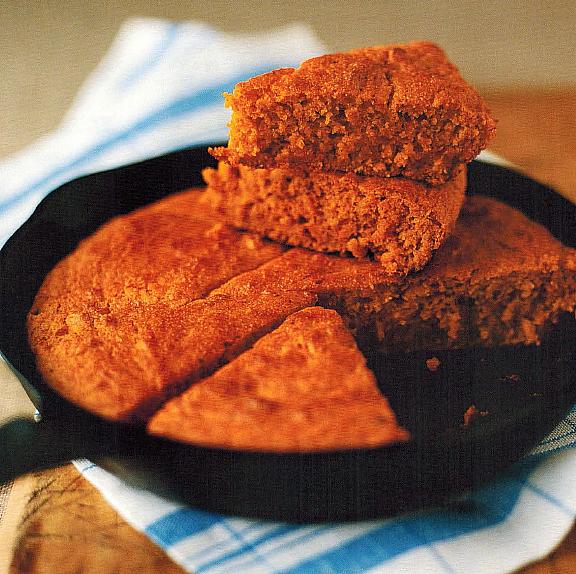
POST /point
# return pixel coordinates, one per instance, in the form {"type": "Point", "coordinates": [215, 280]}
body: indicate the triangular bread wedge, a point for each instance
{"type": "Point", "coordinates": [303, 387]}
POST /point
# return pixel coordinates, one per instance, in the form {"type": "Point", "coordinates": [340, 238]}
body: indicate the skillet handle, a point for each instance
{"type": "Point", "coordinates": [31, 441]}
{"type": "Point", "coordinates": [26, 445]}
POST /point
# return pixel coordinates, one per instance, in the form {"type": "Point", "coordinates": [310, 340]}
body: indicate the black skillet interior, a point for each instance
{"type": "Point", "coordinates": [526, 390]}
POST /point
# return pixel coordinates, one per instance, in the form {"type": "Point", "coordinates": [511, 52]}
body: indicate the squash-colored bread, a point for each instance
{"type": "Point", "coordinates": [400, 110]}
{"type": "Point", "coordinates": [303, 387]}
{"type": "Point", "coordinates": [159, 299]}
{"type": "Point", "coordinates": [398, 222]}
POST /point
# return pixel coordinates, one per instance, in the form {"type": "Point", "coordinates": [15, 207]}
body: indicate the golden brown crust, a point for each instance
{"type": "Point", "coordinates": [399, 222]}
{"type": "Point", "coordinates": [303, 387]}
{"type": "Point", "coordinates": [97, 323]}
{"type": "Point", "coordinates": [127, 320]}
{"type": "Point", "coordinates": [386, 111]}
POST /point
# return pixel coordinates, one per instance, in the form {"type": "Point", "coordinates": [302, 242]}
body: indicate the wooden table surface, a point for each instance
{"type": "Point", "coordinates": [60, 524]}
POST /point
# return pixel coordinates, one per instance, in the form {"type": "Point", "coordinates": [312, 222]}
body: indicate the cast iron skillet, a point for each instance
{"type": "Point", "coordinates": [525, 390]}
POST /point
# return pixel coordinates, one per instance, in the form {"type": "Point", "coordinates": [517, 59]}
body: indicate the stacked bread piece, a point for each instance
{"type": "Point", "coordinates": [361, 153]}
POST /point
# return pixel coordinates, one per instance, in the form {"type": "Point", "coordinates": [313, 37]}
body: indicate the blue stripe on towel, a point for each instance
{"type": "Point", "coordinates": [259, 556]}
{"type": "Point", "coordinates": [245, 546]}
{"type": "Point", "coordinates": [181, 524]}
{"type": "Point", "coordinates": [407, 533]}
{"type": "Point", "coordinates": [548, 497]}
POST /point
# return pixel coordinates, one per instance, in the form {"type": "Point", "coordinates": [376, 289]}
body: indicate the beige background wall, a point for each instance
{"type": "Point", "coordinates": [48, 47]}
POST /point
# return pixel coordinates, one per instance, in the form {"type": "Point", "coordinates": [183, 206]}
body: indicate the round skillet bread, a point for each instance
{"type": "Point", "coordinates": [161, 298]}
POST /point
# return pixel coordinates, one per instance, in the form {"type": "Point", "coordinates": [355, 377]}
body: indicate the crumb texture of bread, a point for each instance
{"type": "Point", "coordinates": [401, 110]}
{"type": "Point", "coordinates": [500, 279]}
{"type": "Point", "coordinates": [303, 387]}
{"type": "Point", "coordinates": [163, 297]}
{"type": "Point", "coordinates": [396, 221]}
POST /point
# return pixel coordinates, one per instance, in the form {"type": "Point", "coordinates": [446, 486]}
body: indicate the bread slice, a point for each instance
{"type": "Point", "coordinates": [303, 387]}
{"type": "Point", "coordinates": [401, 110]}
{"type": "Point", "coordinates": [398, 222]}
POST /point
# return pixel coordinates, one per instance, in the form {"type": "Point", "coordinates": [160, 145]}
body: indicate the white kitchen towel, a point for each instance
{"type": "Point", "coordinates": [159, 89]}
{"type": "Point", "coordinates": [517, 519]}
